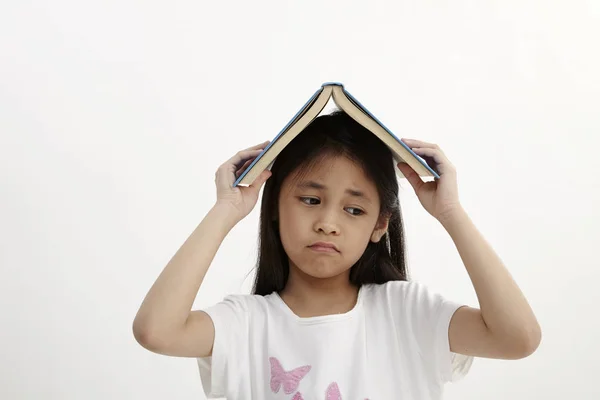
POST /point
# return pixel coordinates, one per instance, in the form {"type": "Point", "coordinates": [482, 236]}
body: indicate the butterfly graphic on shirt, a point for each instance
{"type": "Point", "coordinates": [332, 393]}
{"type": "Point", "coordinates": [291, 379]}
{"type": "Point", "coordinates": [288, 379]}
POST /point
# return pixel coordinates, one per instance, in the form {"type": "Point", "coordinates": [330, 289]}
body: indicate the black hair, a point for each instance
{"type": "Point", "coordinates": [334, 134]}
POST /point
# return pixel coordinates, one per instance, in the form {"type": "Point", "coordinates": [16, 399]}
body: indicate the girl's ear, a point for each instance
{"type": "Point", "coordinates": [380, 228]}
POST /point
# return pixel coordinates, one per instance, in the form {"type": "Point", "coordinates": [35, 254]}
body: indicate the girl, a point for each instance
{"type": "Point", "coordinates": [334, 314]}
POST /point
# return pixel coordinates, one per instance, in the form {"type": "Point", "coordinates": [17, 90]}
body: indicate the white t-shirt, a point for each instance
{"type": "Point", "coordinates": [392, 345]}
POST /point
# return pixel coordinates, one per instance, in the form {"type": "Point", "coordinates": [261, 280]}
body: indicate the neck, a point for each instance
{"type": "Point", "coordinates": [308, 296]}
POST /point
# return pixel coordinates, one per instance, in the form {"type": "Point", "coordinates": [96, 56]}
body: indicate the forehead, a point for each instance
{"type": "Point", "coordinates": [335, 174]}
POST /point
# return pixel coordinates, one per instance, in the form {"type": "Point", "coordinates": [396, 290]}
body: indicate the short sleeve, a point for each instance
{"type": "Point", "coordinates": [230, 319]}
{"type": "Point", "coordinates": [429, 316]}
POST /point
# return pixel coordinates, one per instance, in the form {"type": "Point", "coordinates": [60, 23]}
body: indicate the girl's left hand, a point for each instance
{"type": "Point", "coordinates": [438, 197]}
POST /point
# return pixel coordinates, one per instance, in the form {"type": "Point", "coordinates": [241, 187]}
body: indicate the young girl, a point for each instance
{"type": "Point", "coordinates": [334, 314]}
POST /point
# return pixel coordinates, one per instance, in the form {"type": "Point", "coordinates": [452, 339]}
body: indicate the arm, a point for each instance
{"type": "Point", "coordinates": [506, 326]}
{"type": "Point", "coordinates": [164, 323]}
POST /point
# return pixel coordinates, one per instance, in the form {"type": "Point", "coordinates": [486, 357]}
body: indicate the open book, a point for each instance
{"type": "Point", "coordinates": [347, 103]}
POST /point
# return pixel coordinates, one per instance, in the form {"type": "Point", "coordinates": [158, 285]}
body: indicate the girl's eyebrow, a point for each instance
{"type": "Point", "coordinates": [319, 186]}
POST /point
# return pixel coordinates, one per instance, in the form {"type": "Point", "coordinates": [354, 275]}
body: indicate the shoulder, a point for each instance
{"type": "Point", "coordinates": [244, 302]}
{"type": "Point", "coordinates": [242, 305]}
{"type": "Point", "coordinates": [398, 291]}
{"type": "Point", "coordinates": [411, 299]}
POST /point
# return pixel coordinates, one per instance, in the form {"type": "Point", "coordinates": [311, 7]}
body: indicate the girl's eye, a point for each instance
{"type": "Point", "coordinates": [360, 212]}
{"type": "Point", "coordinates": [307, 200]}
{"type": "Point", "coordinates": [302, 199]}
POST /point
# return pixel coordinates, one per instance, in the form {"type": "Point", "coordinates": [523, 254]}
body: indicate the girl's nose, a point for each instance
{"type": "Point", "coordinates": [328, 229]}
{"type": "Point", "coordinates": [327, 225]}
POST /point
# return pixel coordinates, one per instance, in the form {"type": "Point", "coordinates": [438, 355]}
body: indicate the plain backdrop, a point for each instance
{"type": "Point", "coordinates": [115, 115]}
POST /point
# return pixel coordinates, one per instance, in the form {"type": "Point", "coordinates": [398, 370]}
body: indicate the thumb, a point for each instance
{"type": "Point", "coordinates": [413, 178]}
{"type": "Point", "coordinates": [260, 180]}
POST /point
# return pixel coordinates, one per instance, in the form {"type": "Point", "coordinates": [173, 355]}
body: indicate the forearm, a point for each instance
{"type": "Point", "coordinates": [169, 301]}
{"type": "Point", "coordinates": [504, 308]}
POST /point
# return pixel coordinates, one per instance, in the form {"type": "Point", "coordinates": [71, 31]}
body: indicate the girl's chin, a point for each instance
{"type": "Point", "coordinates": [322, 271]}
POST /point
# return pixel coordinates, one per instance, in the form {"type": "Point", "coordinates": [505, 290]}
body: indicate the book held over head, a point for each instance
{"type": "Point", "coordinates": [347, 103]}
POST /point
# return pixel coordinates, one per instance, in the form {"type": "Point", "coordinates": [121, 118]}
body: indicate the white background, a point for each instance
{"type": "Point", "coordinates": [115, 115]}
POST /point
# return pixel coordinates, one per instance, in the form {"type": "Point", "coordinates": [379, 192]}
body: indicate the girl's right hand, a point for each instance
{"type": "Point", "coordinates": [241, 199]}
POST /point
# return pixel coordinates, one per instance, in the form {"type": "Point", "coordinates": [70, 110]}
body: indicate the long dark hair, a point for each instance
{"type": "Point", "coordinates": [334, 134]}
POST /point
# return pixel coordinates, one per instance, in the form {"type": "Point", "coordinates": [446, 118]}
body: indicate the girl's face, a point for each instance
{"type": "Point", "coordinates": [335, 203]}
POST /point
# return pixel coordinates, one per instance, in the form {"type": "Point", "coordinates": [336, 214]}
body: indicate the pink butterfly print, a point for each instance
{"type": "Point", "coordinates": [289, 379]}
{"type": "Point", "coordinates": [333, 392]}
{"type": "Point", "coordinates": [297, 396]}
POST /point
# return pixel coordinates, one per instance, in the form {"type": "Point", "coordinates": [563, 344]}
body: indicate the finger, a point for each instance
{"type": "Point", "coordinates": [413, 178]}
{"type": "Point", "coordinates": [258, 146]}
{"type": "Point", "coordinates": [260, 180]}
{"type": "Point", "coordinates": [442, 164]}
{"type": "Point", "coordinates": [231, 170]}
{"type": "Point", "coordinates": [242, 156]}
{"type": "Point", "coordinates": [419, 143]}
{"type": "Point", "coordinates": [243, 167]}
{"type": "Point", "coordinates": [225, 176]}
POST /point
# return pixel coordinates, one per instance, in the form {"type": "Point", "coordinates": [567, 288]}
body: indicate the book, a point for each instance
{"type": "Point", "coordinates": [311, 110]}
